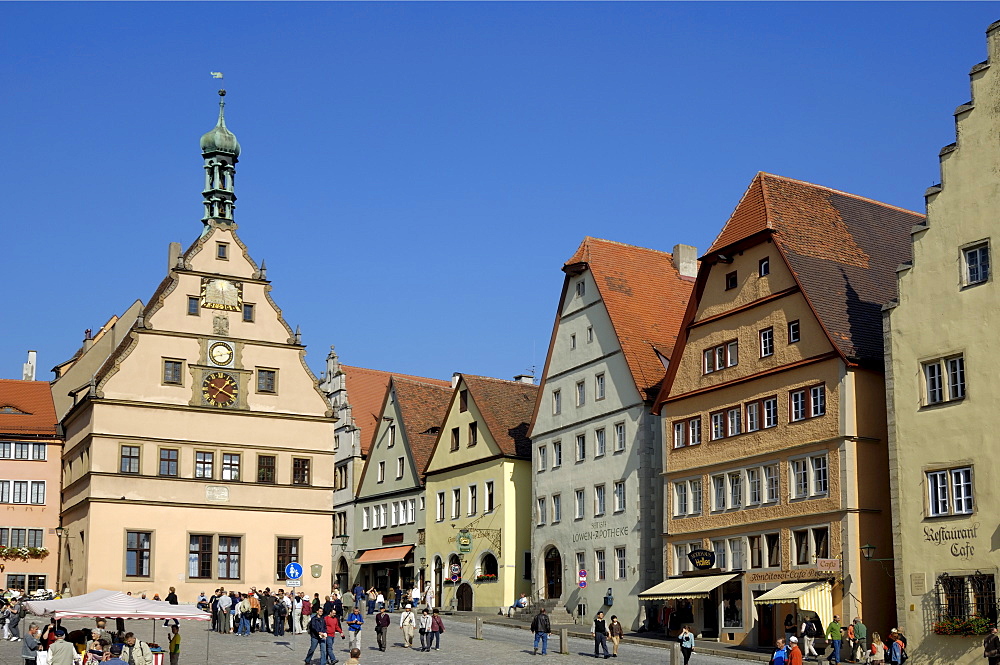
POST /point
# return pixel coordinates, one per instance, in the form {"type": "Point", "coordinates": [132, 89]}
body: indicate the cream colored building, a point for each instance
{"type": "Point", "coordinates": [478, 495]}
{"type": "Point", "coordinates": [941, 393]}
{"type": "Point", "coordinates": [199, 449]}
{"type": "Point", "coordinates": [774, 417]}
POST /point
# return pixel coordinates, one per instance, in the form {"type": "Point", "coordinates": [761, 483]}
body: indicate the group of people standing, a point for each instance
{"type": "Point", "coordinates": [850, 640]}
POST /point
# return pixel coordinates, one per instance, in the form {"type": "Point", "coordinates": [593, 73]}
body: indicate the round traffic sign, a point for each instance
{"type": "Point", "coordinates": [583, 574]}
{"type": "Point", "coordinates": [293, 571]}
{"type": "Point", "coordinates": [455, 578]}
{"type": "Point", "coordinates": [583, 583]}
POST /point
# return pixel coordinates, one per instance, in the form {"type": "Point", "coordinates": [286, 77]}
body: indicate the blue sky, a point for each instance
{"type": "Point", "coordinates": [416, 174]}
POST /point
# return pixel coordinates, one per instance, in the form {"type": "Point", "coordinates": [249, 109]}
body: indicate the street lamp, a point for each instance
{"type": "Point", "coordinates": [343, 541]}
{"type": "Point", "coordinates": [868, 551]}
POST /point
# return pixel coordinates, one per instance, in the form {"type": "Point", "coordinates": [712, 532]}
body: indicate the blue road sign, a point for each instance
{"type": "Point", "coordinates": [583, 583]}
{"type": "Point", "coordinates": [293, 571]}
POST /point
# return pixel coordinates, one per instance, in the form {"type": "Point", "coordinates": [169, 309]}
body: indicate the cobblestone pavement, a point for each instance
{"type": "Point", "coordinates": [501, 646]}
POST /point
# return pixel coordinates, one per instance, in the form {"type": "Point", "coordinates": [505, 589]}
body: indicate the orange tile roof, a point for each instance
{"type": "Point", "coordinates": [506, 406]}
{"type": "Point", "coordinates": [26, 408]}
{"type": "Point", "coordinates": [645, 297]}
{"type": "Point", "coordinates": [422, 407]}
{"type": "Point", "coordinates": [842, 248]}
{"type": "Point", "coordinates": [366, 392]}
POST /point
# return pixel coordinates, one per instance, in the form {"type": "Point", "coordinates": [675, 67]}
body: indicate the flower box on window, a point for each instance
{"type": "Point", "coordinates": [486, 577]}
{"type": "Point", "coordinates": [23, 553]}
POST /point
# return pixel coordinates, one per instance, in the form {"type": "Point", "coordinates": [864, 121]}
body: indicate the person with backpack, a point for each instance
{"type": "Point", "coordinates": [17, 612]}
{"type": "Point", "coordinates": [897, 648]}
{"type": "Point", "coordinates": [809, 634]}
{"type": "Point", "coordinates": [280, 612]}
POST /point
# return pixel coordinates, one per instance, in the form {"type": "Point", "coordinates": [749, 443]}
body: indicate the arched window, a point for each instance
{"type": "Point", "coordinates": [489, 565]}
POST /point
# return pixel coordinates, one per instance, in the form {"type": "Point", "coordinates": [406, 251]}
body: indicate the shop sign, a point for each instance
{"type": "Point", "coordinates": [702, 559]}
{"type": "Point", "coordinates": [958, 540]}
{"type": "Point", "coordinates": [601, 531]}
{"type": "Point", "coordinates": [464, 542]}
{"type": "Point", "coordinates": [828, 565]}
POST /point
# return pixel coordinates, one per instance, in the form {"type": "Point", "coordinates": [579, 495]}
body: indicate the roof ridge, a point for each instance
{"type": "Point", "coordinates": [835, 191]}
{"type": "Point", "coordinates": [630, 246]}
{"type": "Point", "coordinates": [493, 378]}
{"type": "Point", "coordinates": [391, 373]}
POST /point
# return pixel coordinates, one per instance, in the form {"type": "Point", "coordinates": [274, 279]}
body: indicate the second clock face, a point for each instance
{"type": "Point", "coordinates": [220, 353]}
{"type": "Point", "coordinates": [220, 389]}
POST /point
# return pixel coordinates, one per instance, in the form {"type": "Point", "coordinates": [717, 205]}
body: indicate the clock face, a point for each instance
{"type": "Point", "coordinates": [220, 353]}
{"type": "Point", "coordinates": [221, 294]}
{"type": "Point", "coordinates": [220, 389]}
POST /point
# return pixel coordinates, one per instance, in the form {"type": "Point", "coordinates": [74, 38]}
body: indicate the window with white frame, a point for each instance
{"type": "Point", "coordinates": [694, 431]}
{"type": "Point", "coordinates": [400, 466]}
{"type": "Point", "coordinates": [600, 502]}
{"type": "Point", "coordinates": [600, 446]}
{"type": "Point", "coordinates": [817, 401]}
{"type": "Point", "coordinates": [736, 554]}
{"type": "Point", "coordinates": [619, 496]}
{"type": "Point", "coordinates": [755, 545]}
{"type": "Point", "coordinates": [944, 380]}
{"type": "Point", "coordinates": [681, 562]}
{"type": "Point", "coordinates": [719, 493]}
{"type": "Point", "coordinates": [456, 502]}
{"type": "Point", "coordinates": [753, 416]}
{"type": "Point", "coordinates": [694, 489]}
{"type": "Point", "coordinates": [950, 492]}
{"type": "Point", "coordinates": [793, 332]}
{"type": "Point", "coordinates": [581, 562]}
{"type": "Point", "coordinates": [556, 508]}
{"type": "Point", "coordinates": [540, 512]}
{"type": "Point", "coordinates": [601, 567]}
{"type": "Point", "coordinates": [772, 546]}
{"type": "Point", "coordinates": [680, 434]}
{"type": "Point", "coordinates": [581, 288]}
{"type": "Point", "coordinates": [394, 520]}
{"type": "Point", "coordinates": [580, 504]}
{"type": "Point", "coordinates": [719, 548]}
{"type": "Point", "coordinates": [734, 425]}
{"type": "Point", "coordinates": [542, 458]}
{"type": "Point", "coordinates": [599, 386]}
{"type": "Point", "coordinates": [764, 267]}
{"type": "Point", "coordinates": [488, 500]}
{"type": "Point", "coordinates": [755, 494]}
{"type": "Point", "coordinates": [736, 489]}
{"type": "Point", "coordinates": [411, 510]}
{"type": "Point", "coordinates": [770, 405]}
{"type": "Point", "coordinates": [809, 476]}
{"type": "Point", "coordinates": [581, 447]}
{"type": "Point", "coordinates": [440, 506]}
{"type": "Point", "coordinates": [977, 263]}
{"type": "Point", "coordinates": [797, 405]}
{"type": "Point", "coordinates": [556, 402]}
{"type": "Point", "coordinates": [687, 497]}
{"type": "Point", "coordinates": [620, 568]}
{"type": "Point", "coordinates": [766, 342]}
{"type": "Point", "coordinates": [619, 437]}
{"type": "Point", "coordinates": [718, 426]}
{"type": "Point", "coordinates": [556, 454]}
{"type": "Point", "coordinates": [581, 393]}
{"type": "Point", "coordinates": [721, 356]}
{"type": "Point", "coordinates": [381, 472]}
{"type": "Point", "coordinates": [771, 483]}
{"type": "Point", "coordinates": [366, 518]}
{"type": "Point", "coordinates": [681, 499]}
{"type": "Point", "coordinates": [473, 496]}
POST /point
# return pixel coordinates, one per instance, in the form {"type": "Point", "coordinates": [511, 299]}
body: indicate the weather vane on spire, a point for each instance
{"type": "Point", "coordinates": [216, 75]}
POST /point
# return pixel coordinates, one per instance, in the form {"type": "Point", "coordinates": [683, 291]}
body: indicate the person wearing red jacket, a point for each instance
{"type": "Point", "coordinates": [332, 628]}
{"type": "Point", "coordinates": [794, 653]}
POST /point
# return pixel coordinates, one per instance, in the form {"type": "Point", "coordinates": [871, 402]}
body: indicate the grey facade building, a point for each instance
{"type": "Point", "coordinates": [597, 448]}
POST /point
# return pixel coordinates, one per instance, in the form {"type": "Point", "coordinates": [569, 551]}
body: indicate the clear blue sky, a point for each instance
{"type": "Point", "coordinates": [416, 174]}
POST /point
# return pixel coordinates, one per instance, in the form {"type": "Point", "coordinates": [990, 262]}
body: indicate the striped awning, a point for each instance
{"type": "Point", "coordinates": [686, 587]}
{"type": "Point", "coordinates": [809, 596]}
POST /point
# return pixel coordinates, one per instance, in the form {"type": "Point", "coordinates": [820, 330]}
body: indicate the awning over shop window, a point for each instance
{"type": "Point", "coordinates": [809, 596]}
{"type": "Point", "coordinates": [385, 554]}
{"type": "Point", "coordinates": [686, 587]}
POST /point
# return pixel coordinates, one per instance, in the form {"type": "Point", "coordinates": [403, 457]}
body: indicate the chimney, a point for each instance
{"type": "Point", "coordinates": [29, 367]}
{"type": "Point", "coordinates": [685, 260]}
{"type": "Point", "coordinates": [454, 379]}
{"type": "Point", "coordinates": [525, 378]}
{"type": "Point", "coordinates": [173, 253]}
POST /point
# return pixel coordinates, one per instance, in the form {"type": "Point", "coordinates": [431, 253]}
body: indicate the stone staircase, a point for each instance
{"type": "Point", "coordinates": [559, 614]}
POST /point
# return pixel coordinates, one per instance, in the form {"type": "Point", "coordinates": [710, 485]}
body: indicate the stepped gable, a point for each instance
{"type": "Point", "coordinates": [423, 407]}
{"type": "Point", "coordinates": [506, 407]}
{"type": "Point", "coordinates": [645, 298]}
{"type": "Point", "coordinates": [366, 390]}
{"type": "Point", "coordinates": [843, 250]}
{"type": "Point", "coordinates": [26, 408]}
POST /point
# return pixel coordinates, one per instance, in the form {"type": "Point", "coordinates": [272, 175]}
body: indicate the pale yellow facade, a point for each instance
{"type": "Point", "coordinates": [798, 496]}
{"type": "Point", "coordinates": [942, 430]}
{"type": "Point", "coordinates": [203, 456]}
{"type": "Point", "coordinates": [499, 520]}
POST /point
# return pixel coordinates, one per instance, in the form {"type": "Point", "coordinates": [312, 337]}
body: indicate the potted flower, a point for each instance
{"type": "Point", "coordinates": [486, 577]}
{"type": "Point", "coordinates": [964, 626]}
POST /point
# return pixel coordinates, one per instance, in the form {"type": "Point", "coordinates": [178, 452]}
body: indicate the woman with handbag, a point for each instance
{"type": "Point", "coordinates": [991, 647]}
{"type": "Point", "coordinates": [424, 625]}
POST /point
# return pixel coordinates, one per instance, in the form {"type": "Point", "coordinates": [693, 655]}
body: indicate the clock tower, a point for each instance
{"type": "Point", "coordinates": [198, 441]}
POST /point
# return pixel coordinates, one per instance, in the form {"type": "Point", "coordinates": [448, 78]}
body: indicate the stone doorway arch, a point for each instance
{"type": "Point", "coordinates": [464, 595]}
{"type": "Point", "coordinates": [553, 574]}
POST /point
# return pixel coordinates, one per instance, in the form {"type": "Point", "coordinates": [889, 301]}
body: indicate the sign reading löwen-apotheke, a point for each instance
{"type": "Point", "coordinates": [702, 559]}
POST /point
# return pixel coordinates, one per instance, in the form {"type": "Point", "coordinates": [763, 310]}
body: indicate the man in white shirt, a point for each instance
{"type": "Point", "coordinates": [407, 623]}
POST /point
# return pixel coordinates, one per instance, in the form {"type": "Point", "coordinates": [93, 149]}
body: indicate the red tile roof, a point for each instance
{"type": "Point", "coordinates": [422, 407]}
{"type": "Point", "coordinates": [506, 406]}
{"type": "Point", "coordinates": [645, 297]}
{"type": "Point", "coordinates": [26, 408]}
{"type": "Point", "coordinates": [843, 249]}
{"type": "Point", "coordinates": [366, 392]}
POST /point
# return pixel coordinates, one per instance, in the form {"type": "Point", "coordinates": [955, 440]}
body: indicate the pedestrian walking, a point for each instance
{"type": "Point", "coordinates": [424, 627]}
{"type": "Point", "coordinates": [175, 644]}
{"type": "Point", "coordinates": [991, 647]}
{"type": "Point", "coordinates": [278, 617]}
{"type": "Point", "coordinates": [17, 612]}
{"type": "Point", "coordinates": [332, 628]}
{"type": "Point", "coordinates": [811, 628]}
{"type": "Point", "coordinates": [29, 645]}
{"type": "Point", "coordinates": [616, 632]}
{"type": "Point", "coordinates": [876, 654]}
{"type": "Point", "coordinates": [794, 655]}
{"type": "Point", "coordinates": [860, 650]}
{"type": "Point", "coordinates": [354, 623]}
{"type": "Point", "coordinates": [835, 633]}
{"type": "Point", "coordinates": [437, 627]}
{"type": "Point", "coordinates": [599, 631]}
{"type": "Point", "coordinates": [687, 643]}
{"type": "Point", "coordinates": [317, 638]}
{"type": "Point", "coordinates": [542, 628]}
{"type": "Point", "coordinates": [407, 624]}
{"type": "Point", "coordinates": [382, 621]}
{"type": "Point", "coordinates": [780, 654]}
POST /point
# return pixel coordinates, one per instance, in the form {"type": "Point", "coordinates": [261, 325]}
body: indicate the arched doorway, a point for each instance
{"type": "Point", "coordinates": [553, 574]}
{"type": "Point", "coordinates": [438, 579]}
{"type": "Point", "coordinates": [464, 594]}
{"type": "Point", "coordinates": [342, 575]}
